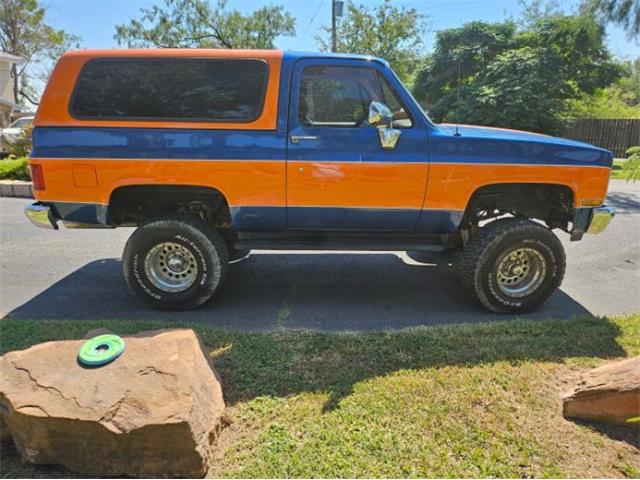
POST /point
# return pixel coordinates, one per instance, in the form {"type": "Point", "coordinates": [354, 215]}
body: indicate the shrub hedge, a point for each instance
{"type": "Point", "coordinates": [14, 169]}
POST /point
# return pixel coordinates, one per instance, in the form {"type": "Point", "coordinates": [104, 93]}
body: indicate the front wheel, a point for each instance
{"type": "Point", "coordinates": [175, 263]}
{"type": "Point", "coordinates": [512, 265]}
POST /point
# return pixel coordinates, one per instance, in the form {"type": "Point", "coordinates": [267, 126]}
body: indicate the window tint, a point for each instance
{"type": "Point", "coordinates": [336, 96]}
{"type": "Point", "coordinates": [340, 97]}
{"type": "Point", "coordinates": [171, 89]}
{"type": "Point", "coordinates": [21, 123]}
{"type": "Point", "coordinates": [401, 118]}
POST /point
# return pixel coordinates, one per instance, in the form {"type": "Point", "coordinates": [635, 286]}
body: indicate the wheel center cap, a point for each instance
{"type": "Point", "coordinates": [176, 263]}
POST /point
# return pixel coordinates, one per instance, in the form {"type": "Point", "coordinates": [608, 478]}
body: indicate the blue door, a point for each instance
{"type": "Point", "coordinates": [338, 175]}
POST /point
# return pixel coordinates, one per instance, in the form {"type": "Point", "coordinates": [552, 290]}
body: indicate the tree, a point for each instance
{"type": "Point", "coordinates": [566, 53]}
{"type": "Point", "coordinates": [618, 100]}
{"type": "Point", "coordinates": [385, 31]}
{"type": "Point", "coordinates": [625, 13]}
{"type": "Point", "coordinates": [521, 89]}
{"type": "Point", "coordinates": [198, 24]}
{"type": "Point", "coordinates": [24, 32]}
{"type": "Point", "coordinates": [459, 54]}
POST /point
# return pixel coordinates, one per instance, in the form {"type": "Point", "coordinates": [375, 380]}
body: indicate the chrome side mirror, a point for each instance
{"type": "Point", "coordinates": [380, 116]}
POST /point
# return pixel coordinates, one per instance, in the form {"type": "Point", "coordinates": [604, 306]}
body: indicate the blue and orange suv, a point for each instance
{"type": "Point", "coordinates": [211, 153]}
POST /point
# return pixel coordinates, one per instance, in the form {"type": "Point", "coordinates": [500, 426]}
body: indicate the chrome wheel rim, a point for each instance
{"type": "Point", "coordinates": [171, 267]}
{"type": "Point", "coordinates": [520, 272]}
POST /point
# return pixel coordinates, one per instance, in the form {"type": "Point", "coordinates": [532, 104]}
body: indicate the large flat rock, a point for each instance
{"type": "Point", "coordinates": [610, 393]}
{"type": "Point", "coordinates": [153, 412]}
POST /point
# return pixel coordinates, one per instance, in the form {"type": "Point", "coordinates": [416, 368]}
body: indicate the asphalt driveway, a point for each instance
{"type": "Point", "coordinates": [76, 274]}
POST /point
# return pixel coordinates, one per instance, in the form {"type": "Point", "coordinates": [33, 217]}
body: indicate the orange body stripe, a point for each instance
{"type": "Point", "coordinates": [54, 106]}
{"type": "Point", "coordinates": [356, 184]}
{"type": "Point", "coordinates": [256, 183]}
{"type": "Point", "coordinates": [334, 184]}
{"type": "Point", "coordinates": [451, 185]}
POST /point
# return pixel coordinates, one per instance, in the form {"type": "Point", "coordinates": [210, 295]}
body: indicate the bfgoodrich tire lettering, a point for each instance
{"type": "Point", "coordinates": [202, 245]}
{"type": "Point", "coordinates": [484, 252]}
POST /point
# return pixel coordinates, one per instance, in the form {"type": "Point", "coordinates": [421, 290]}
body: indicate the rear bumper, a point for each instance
{"type": "Point", "coordinates": [591, 220]}
{"type": "Point", "coordinates": [41, 216]}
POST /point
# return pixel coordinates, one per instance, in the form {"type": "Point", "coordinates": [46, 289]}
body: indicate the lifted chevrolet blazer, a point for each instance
{"type": "Point", "coordinates": [212, 153]}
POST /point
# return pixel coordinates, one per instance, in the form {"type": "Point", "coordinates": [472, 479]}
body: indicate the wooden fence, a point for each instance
{"type": "Point", "coordinates": [616, 135]}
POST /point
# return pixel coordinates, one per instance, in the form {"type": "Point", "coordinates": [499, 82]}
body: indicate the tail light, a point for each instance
{"type": "Point", "coordinates": [37, 176]}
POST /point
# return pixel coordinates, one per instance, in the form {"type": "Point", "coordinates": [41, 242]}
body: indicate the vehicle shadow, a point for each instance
{"type": "Point", "coordinates": [327, 291]}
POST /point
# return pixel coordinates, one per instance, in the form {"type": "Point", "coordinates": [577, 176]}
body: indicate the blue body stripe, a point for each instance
{"type": "Point", "coordinates": [256, 219]}
{"type": "Point", "coordinates": [242, 145]}
{"type": "Point", "coordinates": [157, 143]}
{"type": "Point", "coordinates": [270, 219]}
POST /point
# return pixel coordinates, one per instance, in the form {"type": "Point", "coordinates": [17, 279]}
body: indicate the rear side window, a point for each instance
{"type": "Point", "coordinates": [170, 89]}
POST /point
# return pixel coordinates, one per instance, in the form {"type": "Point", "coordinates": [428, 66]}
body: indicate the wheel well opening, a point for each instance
{"type": "Point", "coordinates": [550, 203]}
{"type": "Point", "coordinates": [136, 204]}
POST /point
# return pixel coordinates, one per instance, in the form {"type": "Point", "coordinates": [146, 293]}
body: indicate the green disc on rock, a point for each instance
{"type": "Point", "coordinates": [101, 350]}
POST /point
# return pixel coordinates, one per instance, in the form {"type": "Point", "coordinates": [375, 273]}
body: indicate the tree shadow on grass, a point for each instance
{"type": "Point", "coordinates": [290, 362]}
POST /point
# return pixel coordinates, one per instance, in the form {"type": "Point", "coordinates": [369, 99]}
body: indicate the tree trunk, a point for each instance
{"type": "Point", "coordinates": [16, 82]}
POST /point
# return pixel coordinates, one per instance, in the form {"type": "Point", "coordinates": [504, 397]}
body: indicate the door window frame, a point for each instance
{"type": "Point", "coordinates": [418, 119]}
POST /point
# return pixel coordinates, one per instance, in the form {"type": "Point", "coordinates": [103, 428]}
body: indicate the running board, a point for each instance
{"type": "Point", "coordinates": [340, 242]}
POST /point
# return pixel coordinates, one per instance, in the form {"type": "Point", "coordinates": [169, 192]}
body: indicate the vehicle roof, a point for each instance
{"type": "Point", "coordinates": [214, 52]}
{"type": "Point", "coordinates": [297, 55]}
{"type": "Point", "coordinates": [173, 52]}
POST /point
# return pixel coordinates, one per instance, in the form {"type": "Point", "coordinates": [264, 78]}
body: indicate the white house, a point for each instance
{"type": "Point", "coordinates": [8, 103]}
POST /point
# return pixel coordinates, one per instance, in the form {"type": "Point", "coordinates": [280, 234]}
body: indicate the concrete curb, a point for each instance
{"type": "Point", "coordinates": [16, 188]}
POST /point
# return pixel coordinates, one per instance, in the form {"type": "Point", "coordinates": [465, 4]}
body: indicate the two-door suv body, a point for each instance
{"type": "Point", "coordinates": [211, 153]}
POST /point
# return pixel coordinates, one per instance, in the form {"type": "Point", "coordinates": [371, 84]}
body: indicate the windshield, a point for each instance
{"type": "Point", "coordinates": [21, 123]}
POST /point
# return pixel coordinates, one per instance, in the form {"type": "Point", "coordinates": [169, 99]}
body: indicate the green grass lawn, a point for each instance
{"type": "Point", "coordinates": [453, 401]}
{"type": "Point", "coordinates": [616, 169]}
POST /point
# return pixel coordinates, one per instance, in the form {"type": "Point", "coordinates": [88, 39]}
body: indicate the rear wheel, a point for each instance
{"type": "Point", "coordinates": [175, 263]}
{"type": "Point", "coordinates": [512, 265]}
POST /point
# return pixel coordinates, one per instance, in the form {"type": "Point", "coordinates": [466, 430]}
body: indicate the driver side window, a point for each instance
{"type": "Point", "coordinates": [332, 96]}
{"type": "Point", "coordinates": [336, 96]}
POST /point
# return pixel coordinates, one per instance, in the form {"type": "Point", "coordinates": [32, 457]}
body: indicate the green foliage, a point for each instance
{"type": "Point", "coordinates": [625, 13]}
{"type": "Point", "coordinates": [23, 32]}
{"type": "Point", "coordinates": [631, 166]}
{"type": "Point", "coordinates": [619, 100]}
{"type": "Point", "coordinates": [21, 146]}
{"type": "Point", "coordinates": [14, 169]}
{"type": "Point", "coordinates": [566, 55]}
{"type": "Point", "coordinates": [579, 42]}
{"type": "Point", "coordinates": [198, 24]}
{"type": "Point", "coordinates": [385, 31]}
{"type": "Point", "coordinates": [608, 102]}
{"type": "Point", "coordinates": [462, 53]}
{"type": "Point", "coordinates": [520, 88]}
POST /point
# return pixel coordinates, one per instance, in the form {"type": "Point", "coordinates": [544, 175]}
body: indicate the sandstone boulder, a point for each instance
{"type": "Point", "coordinates": [153, 412]}
{"type": "Point", "coordinates": [610, 393]}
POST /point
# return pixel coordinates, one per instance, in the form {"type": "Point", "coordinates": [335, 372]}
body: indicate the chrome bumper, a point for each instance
{"type": "Point", "coordinates": [41, 216]}
{"type": "Point", "coordinates": [600, 219]}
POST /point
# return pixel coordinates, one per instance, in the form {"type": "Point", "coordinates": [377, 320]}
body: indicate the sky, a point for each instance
{"type": "Point", "coordinates": [95, 20]}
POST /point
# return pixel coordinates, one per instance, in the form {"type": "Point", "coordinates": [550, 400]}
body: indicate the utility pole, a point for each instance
{"type": "Point", "coordinates": [334, 40]}
{"type": "Point", "coordinates": [336, 11]}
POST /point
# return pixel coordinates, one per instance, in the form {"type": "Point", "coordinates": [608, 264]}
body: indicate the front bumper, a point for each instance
{"type": "Point", "coordinates": [600, 219]}
{"type": "Point", "coordinates": [41, 216]}
{"type": "Point", "coordinates": [591, 220]}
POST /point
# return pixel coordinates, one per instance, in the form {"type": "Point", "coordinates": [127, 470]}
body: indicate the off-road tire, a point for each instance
{"type": "Point", "coordinates": [203, 242]}
{"type": "Point", "coordinates": [482, 253]}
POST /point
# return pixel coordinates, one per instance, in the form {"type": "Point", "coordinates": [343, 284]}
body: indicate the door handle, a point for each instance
{"type": "Point", "coordinates": [297, 138]}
